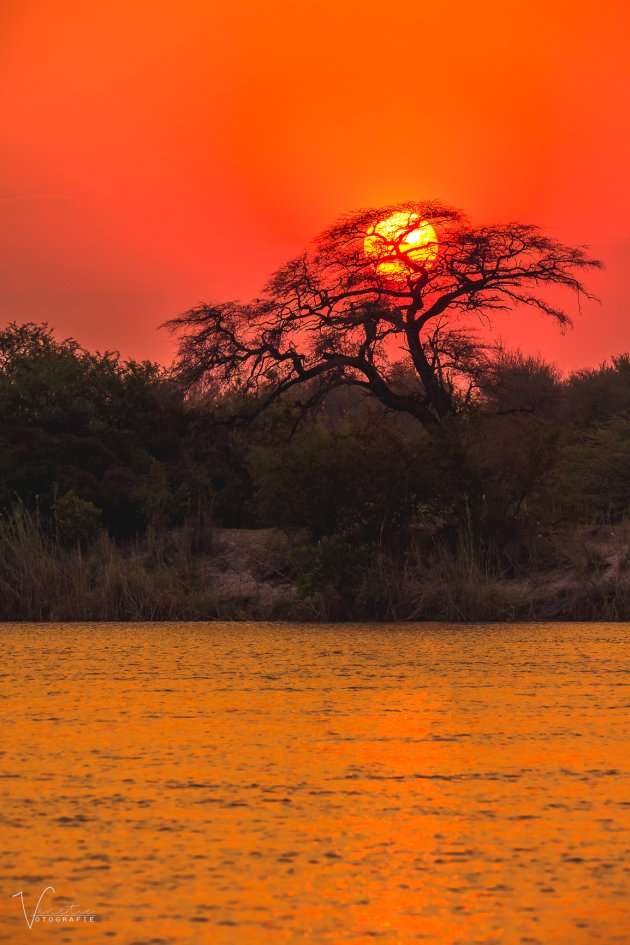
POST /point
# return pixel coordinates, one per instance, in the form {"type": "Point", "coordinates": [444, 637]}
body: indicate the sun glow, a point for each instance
{"type": "Point", "coordinates": [399, 240]}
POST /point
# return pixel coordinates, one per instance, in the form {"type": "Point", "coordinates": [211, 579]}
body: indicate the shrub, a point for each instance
{"type": "Point", "coordinates": [76, 519]}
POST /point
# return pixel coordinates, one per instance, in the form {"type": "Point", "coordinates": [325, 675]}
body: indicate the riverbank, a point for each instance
{"type": "Point", "coordinates": [268, 574]}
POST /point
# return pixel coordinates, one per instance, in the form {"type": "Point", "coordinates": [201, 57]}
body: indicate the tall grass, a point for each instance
{"type": "Point", "coordinates": [462, 580]}
{"type": "Point", "coordinates": [173, 576]}
{"type": "Point", "coordinates": [156, 579]}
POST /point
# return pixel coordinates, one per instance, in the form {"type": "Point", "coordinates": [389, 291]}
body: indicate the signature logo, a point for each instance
{"type": "Point", "coordinates": [72, 913]}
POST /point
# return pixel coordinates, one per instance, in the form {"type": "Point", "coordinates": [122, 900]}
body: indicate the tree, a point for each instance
{"type": "Point", "coordinates": [415, 278]}
{"type": "Point", "coordinates": [114, 434]}
{"type": "Point", "coordinates": [595, 395]}
{"type": "Point", "coordinates": [360, 482]}
{"type": "Point", "coordinates": [514, 382]}
{"type": "Point", "coordinates": [591, 481]}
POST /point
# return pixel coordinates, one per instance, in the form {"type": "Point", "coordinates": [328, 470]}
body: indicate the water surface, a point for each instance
{"type": "Point", "coordinates": [241, 784]}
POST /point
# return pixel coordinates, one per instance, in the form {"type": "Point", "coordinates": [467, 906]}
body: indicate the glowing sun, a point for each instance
{"type": "Point", "coordinates": [399, 237]}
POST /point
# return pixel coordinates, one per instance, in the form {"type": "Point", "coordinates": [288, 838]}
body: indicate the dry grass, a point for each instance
{"type": "Point", "coordinates": [245, 576]}
{"type": "Point", "coordinates": [158, 580]}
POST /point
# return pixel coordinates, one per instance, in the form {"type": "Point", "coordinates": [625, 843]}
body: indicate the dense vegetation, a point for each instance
{"type": "Point", "coordinates": [120, 495]}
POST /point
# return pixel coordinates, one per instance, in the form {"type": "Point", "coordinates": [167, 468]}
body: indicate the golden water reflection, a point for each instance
{"type": "Point", "coordinates": [254, 784]}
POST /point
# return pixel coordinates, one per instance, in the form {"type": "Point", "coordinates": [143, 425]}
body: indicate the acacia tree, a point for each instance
{"type": "Point", "coordinates": [412, 282]}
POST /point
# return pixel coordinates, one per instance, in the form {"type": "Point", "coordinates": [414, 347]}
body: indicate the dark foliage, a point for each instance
{"type": "Point", "coordinates": [114, 434]}
{"type": "Point", "coordinates": [93, 445]}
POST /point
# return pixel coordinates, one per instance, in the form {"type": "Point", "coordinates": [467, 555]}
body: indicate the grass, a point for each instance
{"type": "Point", "coordinates": [172, 576]}
{"type": "Point", "coordinates": [40, 579]}
{"type": "Point", "coordinates": [572, 577]}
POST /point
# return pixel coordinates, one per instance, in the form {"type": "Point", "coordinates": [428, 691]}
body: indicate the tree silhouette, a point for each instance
{"type": "Point", "coordinates": [412, 282]}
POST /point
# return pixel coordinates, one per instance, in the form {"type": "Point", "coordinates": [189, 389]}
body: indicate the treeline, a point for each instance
{"type": "Point", "coordinates": [110, 458]}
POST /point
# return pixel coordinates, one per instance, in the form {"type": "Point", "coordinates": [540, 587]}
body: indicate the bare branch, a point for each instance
{"type": "Point", "coordinates": [336, 311]}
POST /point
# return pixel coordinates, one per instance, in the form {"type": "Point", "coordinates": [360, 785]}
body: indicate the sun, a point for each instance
{"type": "Point", "coordinates": [402, 234]}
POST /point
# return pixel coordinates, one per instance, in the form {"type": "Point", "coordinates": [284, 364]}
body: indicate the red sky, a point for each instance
{"type": "Point", "coordinates": [155, 154]}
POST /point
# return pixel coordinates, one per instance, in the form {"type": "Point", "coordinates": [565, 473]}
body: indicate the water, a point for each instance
{"type": "Point", "coordinates": [239, 784]}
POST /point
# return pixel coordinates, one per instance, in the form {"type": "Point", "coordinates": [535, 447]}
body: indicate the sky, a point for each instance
{"type": "Point", "coordinates": [155, 154]}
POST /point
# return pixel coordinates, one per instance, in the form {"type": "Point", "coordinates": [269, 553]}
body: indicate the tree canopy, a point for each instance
{"type": "Point", "coordinates": [112, 433]}
{"type": "Point", "coordinates": [411, 283]}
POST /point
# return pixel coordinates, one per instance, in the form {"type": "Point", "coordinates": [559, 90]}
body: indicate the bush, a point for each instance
{"type": "Point", "coordinates": [356, 481]}
{"type": "Point", "coordinates": [76, 519]}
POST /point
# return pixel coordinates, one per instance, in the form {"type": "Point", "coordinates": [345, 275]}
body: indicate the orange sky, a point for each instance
{"type": "Point", "coordinates": [154, 154]}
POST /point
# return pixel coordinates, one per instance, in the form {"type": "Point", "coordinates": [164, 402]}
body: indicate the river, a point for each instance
{"type": "Point", "coordinates": [259, 784]}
